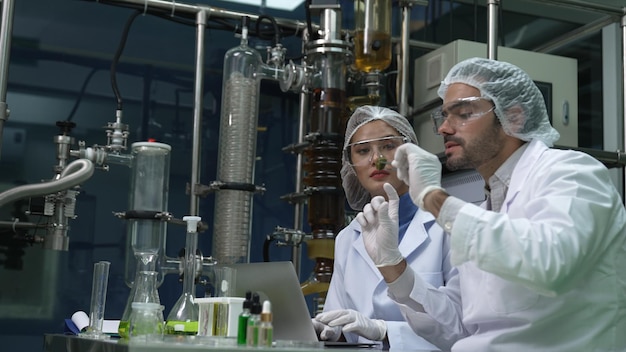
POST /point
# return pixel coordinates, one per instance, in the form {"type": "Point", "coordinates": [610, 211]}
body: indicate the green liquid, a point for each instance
{"type": "Point", "coordinates": [123, 329]}
{"type": "Point", "coordinates": [189, 328]}
{"type": "Point", "coordinates": [241, 329]}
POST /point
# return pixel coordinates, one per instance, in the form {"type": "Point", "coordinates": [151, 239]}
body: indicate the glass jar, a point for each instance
{"type": "Point", "coordinates": [146, 322]}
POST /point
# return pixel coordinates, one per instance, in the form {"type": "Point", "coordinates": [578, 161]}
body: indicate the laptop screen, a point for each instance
{"type": "Point", "coordinates": [278, 283]}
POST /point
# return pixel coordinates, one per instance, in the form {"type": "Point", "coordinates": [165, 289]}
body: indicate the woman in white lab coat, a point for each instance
{"type": "Point", "coordinates": [542, 263]}
{"type": "Point", "coordinates": [357, 306]}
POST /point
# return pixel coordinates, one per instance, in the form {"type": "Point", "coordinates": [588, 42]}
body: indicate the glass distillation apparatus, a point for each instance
{"type": "Point", "coordinates": [372, 46]}
{"type": "Point", "coordinates": [329, 56]}
{"type": "Point", "coordinates": [150, 167]}
{"type": "Point", "coordinates": [237, 152]}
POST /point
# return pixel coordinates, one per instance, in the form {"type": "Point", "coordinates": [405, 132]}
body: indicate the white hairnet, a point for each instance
{"type": "Point", "coordinates": [356, 195]}
{"type": "Point", "coordinates": [519, 104]}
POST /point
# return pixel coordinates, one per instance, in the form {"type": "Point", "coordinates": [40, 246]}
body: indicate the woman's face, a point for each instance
{"type": "Point", "coordinates": [365, 157]}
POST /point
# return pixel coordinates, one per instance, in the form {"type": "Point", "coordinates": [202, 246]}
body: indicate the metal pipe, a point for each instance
{"type": "Point", "coordinates": [576, 34]}
{"type": "Point", "coordinates": [20, 225]}
{"type": "Point", "coordinates": [492, 25]}
{"type": "Point", "coordinates": [201, 17]}
{"type": "Point", "coordinates": [182, 9]}
{"type": "Point", "coordinates": [584, 5]}
{"type": "Point", "coordinates": [623, 24]}
{"type": "Point", "coordinates": [77, 172]}
{"type": "Point", "coordinates": [403, 105]}
{"type": "Point", "coordinates": [6, 30]}
{"type": "Point", "coordinates": [298, 216]}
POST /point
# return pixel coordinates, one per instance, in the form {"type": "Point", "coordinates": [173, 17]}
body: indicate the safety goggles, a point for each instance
{"type": "Point", "coordinates": [461, 111]}
{"type": "Point", "coordinates": [365, 152]}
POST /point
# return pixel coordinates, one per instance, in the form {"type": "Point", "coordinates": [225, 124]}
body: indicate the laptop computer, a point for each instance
{"type": "Point", "coordinates": [278, 283]}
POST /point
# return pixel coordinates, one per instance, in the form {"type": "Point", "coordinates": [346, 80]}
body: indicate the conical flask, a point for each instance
{"type": "Point", "coordinates": [183, 318]}
{"type": "Point", "coordinates": [144, 290]}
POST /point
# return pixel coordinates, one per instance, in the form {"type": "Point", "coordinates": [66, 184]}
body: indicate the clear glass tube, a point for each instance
{"type": "Point", "coordinates": [183, 318]}
{"type": "Point", "coordinates": [372, 40]}
{"type": "Point", "coordinates": [237, 152]}
{"type": "Point", "coordinates": [149, 189]}
{"type": "Point", "coordinates": [98, 298]}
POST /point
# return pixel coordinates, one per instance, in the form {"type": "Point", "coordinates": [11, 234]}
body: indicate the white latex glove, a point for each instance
{"type": "Point", "coordinates": [355, 322]}
{"type": "Point", "coordinates": [325, 332]}
{"type": "Point", "coordinates": [379, 228]}
{"type": "Point", "coordinates": [419, 169]}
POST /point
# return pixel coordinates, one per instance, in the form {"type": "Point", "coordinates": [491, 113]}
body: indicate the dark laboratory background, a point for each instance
{"type": "Point", "coordinates": [60, 63]}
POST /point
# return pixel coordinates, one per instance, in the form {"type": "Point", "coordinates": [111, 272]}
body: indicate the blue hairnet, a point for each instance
{"type": "Point", "coordinates": [519, 104]}
{"type": "Point", "coordinates": [356, 195]}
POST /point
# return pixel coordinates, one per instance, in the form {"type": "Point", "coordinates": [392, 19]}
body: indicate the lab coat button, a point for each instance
{"type": "Point", "coordinates": [447, 226]}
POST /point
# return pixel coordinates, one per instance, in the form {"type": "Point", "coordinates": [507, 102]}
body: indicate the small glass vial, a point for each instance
{"type": "Point", "coordinates": [252, 332]}
{"type": "Point", "coordinates": [266, 329]}
{"type": "Point", "coordinates": [146, 322]}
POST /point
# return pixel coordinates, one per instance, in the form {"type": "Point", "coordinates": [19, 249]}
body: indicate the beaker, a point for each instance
{"type": "Point", "coordinates": [146, 322]}
{"type": "Point", "coordinates": [183, 318]}
{"type": "Point", "coordinates": [144, 290]}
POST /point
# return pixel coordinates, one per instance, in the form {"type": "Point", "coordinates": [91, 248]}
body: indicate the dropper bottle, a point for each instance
{"type": "Point", "coordinates": [252, 333]}
{"type": "Point", "coordinates": [266, 328]}
{"type": "Point", "coordinates": [183, 318]}
{"type": "Point", "coordinates": [243, 319]}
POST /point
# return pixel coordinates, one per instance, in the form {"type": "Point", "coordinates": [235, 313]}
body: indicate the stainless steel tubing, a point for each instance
{"type": "Point", "coordinates": [6, 30]}
{"type": "Point", "coordinates": [403, 104]}
{"type": "Point", "coordinates": [194, 207]}
{"type": "Point", "coordinates": [76, 173]}
{"type": "Point", "coordinates": [298, 215]}
{"type": "Point", "coordinates": [623, 24]}
{"type": "Point", "coordinates": [492, 28]}
{"type": "Point", "coordinates": [584, 5]}
{"type": "Point", "coordinates": [190, 11]}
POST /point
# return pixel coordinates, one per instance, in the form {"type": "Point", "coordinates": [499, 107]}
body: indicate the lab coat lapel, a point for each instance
{"type": "Point", "coordinates": [416, 233]}
{"type": "Point", "coordinates": [359, 246]}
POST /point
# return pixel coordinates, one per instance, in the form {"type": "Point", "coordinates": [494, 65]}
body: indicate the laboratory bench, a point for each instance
{"type": "Point", "coordinates": [73, 343]}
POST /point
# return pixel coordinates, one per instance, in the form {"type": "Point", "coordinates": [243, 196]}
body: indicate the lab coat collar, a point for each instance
{"type": "Point", "coordinates": [522, 170]}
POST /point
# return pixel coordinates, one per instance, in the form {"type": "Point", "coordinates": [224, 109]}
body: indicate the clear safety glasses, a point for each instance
{"type": "Point", "coordinates": [364, 152]}
{"type": "Point", "coordinates": [461, 111]}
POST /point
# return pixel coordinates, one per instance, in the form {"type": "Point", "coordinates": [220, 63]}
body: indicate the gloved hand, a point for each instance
{"type": "Point", "coordinates": [355, 322]}
{"type": "Point", "coordinates": [325, 332]}
{"type": "Point", "coordinates": [379, 228]}
{"type": "Point", "coordinates": [419, 169]}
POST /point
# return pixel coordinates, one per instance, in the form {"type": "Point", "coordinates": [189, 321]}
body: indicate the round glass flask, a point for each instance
{"type": "Point", "coordinates": [183, 318]}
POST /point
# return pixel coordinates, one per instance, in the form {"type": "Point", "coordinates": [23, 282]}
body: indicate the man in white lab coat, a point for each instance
{"type": "Point", "coordinates": [357, 307]}
{"type": "Point", "coordinates": [542, 263]}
